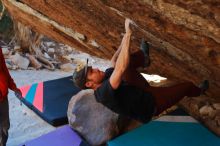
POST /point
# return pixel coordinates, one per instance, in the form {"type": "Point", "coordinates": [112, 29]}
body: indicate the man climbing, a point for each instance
{"type": "Point", "coordinates": [124, 90]}
{"type": "Point", "coordinates": [5, 82]}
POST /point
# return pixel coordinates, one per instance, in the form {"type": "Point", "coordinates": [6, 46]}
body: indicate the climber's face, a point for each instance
{"type": "Point", "coordinates": [94, 78]}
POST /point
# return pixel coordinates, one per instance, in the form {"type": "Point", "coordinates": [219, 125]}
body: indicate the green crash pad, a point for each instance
{"type": "Point", "coordinates": [157, 133]}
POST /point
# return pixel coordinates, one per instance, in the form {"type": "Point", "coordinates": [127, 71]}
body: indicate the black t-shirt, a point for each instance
{"type": "Point", "coordinates": [126, 100]}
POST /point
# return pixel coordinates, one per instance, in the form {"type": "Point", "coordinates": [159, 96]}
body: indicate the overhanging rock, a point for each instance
{"type": "Point", "coordinates": [184, 35]}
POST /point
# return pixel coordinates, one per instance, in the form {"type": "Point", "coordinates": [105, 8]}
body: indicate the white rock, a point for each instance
{"type": "Point", "coordinates": [94, 43]}
{"type": "Point", "coordinates": [68, 67]}
{"type": "Point", "coordinates": [47, 56]}
{"type": "Point", "coordinates": [206, 110]}
{"type": "Point", "coordinates": [20, 61]}
{"type": "Point", "coordinates": [5, 50]}
{"type": "Point", "coordinates": [51, 50]}
{"type": "Point", "coordinates": [79, 36]}
{"type": "Point", "coordinates": [69, 49]}
{"type": "Point", "coordinates": [50, 44]}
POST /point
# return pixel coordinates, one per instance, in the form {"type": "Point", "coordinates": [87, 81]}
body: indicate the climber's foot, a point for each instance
{"type": "Point", "coordinates": [145, 49]}
{"type": "Point", "coordinates": [204, 86]}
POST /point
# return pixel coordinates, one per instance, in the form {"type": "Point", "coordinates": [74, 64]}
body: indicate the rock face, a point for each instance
{"type": "Point", "coordinates": [184, 35]}
{"type": "Point", "coordinates": [205, 110]}
{"type": "Point", "coordinates": [92, 120]}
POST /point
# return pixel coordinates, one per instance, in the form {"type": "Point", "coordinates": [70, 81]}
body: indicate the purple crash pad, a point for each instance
{"type": "Point", "coordinates": [63, 136]}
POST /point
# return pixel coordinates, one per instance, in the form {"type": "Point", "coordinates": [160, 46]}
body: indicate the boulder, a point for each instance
{"type": "Point", "coordinates": [92, 120]}
{"type": "Point", "coordinates": [5, 50]}
{"type": "Point", "coordinates": [20, 61]}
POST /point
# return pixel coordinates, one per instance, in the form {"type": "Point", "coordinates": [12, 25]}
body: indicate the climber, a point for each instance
{"type": "Point", "coordinates": [5, 82]}
{"type": "Point", "coordinates": [123, 89]}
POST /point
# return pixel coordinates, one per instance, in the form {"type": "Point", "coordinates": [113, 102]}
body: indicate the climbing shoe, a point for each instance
{"type": "Point", "coordinates": [145, 49]}
{"type": "Point", "coordinates": [204, 86]}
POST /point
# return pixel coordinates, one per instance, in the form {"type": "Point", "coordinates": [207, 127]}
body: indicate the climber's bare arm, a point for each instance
{"type": "Point", "coordinates": [123, 58]}
{"type": "Point", "coordinates": [115, 56]}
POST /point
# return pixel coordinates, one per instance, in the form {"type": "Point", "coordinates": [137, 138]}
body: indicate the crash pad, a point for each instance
{"type": "Point", "coordinates": [50, 99]}
{"type": "Point", "coordinates": [62, 136]}
{"type": "Point", "coordinates": [174, 129]}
